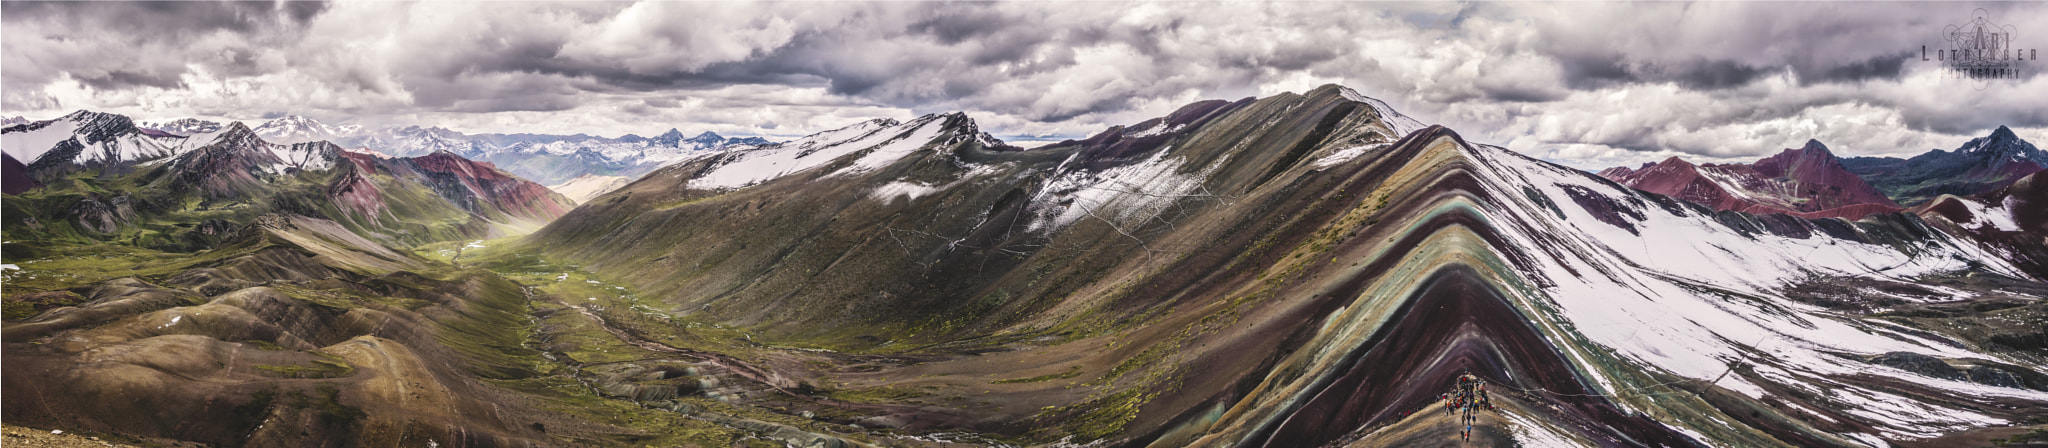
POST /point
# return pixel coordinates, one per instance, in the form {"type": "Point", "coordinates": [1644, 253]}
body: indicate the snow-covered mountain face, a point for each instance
{"type": "Point", "coordinates": [182, 126]}
{"type": "Point", "coordinates": [86, 139]}
{"type": "Point", "coordinates": [1303, 270]}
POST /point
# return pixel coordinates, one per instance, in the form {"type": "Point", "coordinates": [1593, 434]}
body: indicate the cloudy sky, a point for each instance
{"type": "Point", "coordinates": [1588, 84]}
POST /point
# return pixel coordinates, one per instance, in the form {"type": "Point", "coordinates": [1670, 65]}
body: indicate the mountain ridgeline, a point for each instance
{"type": "Point", "coordinates": [1305, 269]}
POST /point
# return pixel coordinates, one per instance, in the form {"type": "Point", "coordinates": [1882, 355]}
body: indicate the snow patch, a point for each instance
{"type": "Point", "coordinates": [1985, 215]}
{"type": "Point", "coordinates": [739, 169]}
{"type": "Point", "coordinates": [1346, 155]}
{"type": "Point", "coordinates": [1689, 296]}
{"type": "Point", "coordinates": [1529, 433]}
{"type": "Point", "coordinates": [1402, 124]}
{"type": "Point", "coordinates": [29, 145]}
{"type": "Point", "coordinates": [1124, 195]}
{"type": "Point", "coordinates": [891, 190]}
{"type": "Point", "coordinates": [889, 153]}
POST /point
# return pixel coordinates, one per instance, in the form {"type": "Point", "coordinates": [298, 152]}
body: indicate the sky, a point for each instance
{"type": "Point", "coordinates": [1581, 83]}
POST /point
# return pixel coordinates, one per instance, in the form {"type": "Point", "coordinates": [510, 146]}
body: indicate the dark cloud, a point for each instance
{"type": "Point", "coordinates": [169, 18]}
{"type": "Point", "coordinates": [1628, 77]}
{"type": "Point", "coordinates": [1882, 67]}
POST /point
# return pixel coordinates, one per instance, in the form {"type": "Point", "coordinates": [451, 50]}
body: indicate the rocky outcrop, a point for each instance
{"type": "Point", "coordinates": [102, 213]}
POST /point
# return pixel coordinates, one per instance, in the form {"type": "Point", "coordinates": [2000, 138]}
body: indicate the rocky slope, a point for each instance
{"type": "Point", "coordinates": [1981, 165]}
{"type": "Point", "coordinates": [1807, 181]}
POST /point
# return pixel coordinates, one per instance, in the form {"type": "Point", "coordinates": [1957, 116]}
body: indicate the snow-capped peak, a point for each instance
{"type": "Point", "coordinates": [299, 128]}
{"type": "Point", "coordinates": [2004, 144]}
{"type": "Point", "coordinates": [182, 126]}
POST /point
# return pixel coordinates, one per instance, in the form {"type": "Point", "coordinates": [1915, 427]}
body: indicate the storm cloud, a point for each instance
{"type": "Point", "coordinates": [1584, 83]}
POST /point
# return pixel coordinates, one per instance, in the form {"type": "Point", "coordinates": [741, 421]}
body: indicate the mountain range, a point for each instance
{"type": "Point", "coordinates": [1303, 269]}
{"type": "Point", "coordinates": [1812, 182]}
{"type": "Point", "coordinates": [544, 158]}
{"type": "Point", "coordinates": [95, 176]}
{"type": "Point", "coordinates": [1807, 181]}
{"type": "Point", "coordinates": [1983, 164]}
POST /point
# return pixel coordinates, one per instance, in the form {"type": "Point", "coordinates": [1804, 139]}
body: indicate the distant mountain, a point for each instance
{"type": "Point", "coordinates": [14, 120]}
{"type": "Point", "coordinates": [1981, 165]}
{"type": "Point", "coordinates": [1808, 181]}
{"type": "Point", "coordinates": [299, 129]}
{"type": "Point", "coordinates": [482, 189]}
{"type": "Point", "coordinates": [237, 161]}
{"type": "Point", "coordinates": [556, 159]}
{"type": "Point", "coordinates": [410, 141]}
{"type": "Point", "coordinates": [545, 158]}
{"type": "Point", "coordinates": [101, 176]}
{"type": "Point", "coordinates": [551, 159]}
{"type": "Point", "coordinates": [182, 126]}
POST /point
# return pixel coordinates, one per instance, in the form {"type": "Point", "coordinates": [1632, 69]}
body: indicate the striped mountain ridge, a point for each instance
{"type": "Point", "coordinates": [1308, 270]}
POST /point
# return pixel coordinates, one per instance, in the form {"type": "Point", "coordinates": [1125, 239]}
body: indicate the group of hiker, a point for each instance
{"type": "Point", "coordinates": [1467, 396]}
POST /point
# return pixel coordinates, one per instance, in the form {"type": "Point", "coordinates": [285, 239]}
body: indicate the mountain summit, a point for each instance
{"type": "Point", "coordinates": [298, 128]}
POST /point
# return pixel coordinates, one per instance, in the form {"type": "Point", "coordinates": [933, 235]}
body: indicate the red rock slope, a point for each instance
{"type": "Point", "coordinates": [1808, 182]}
